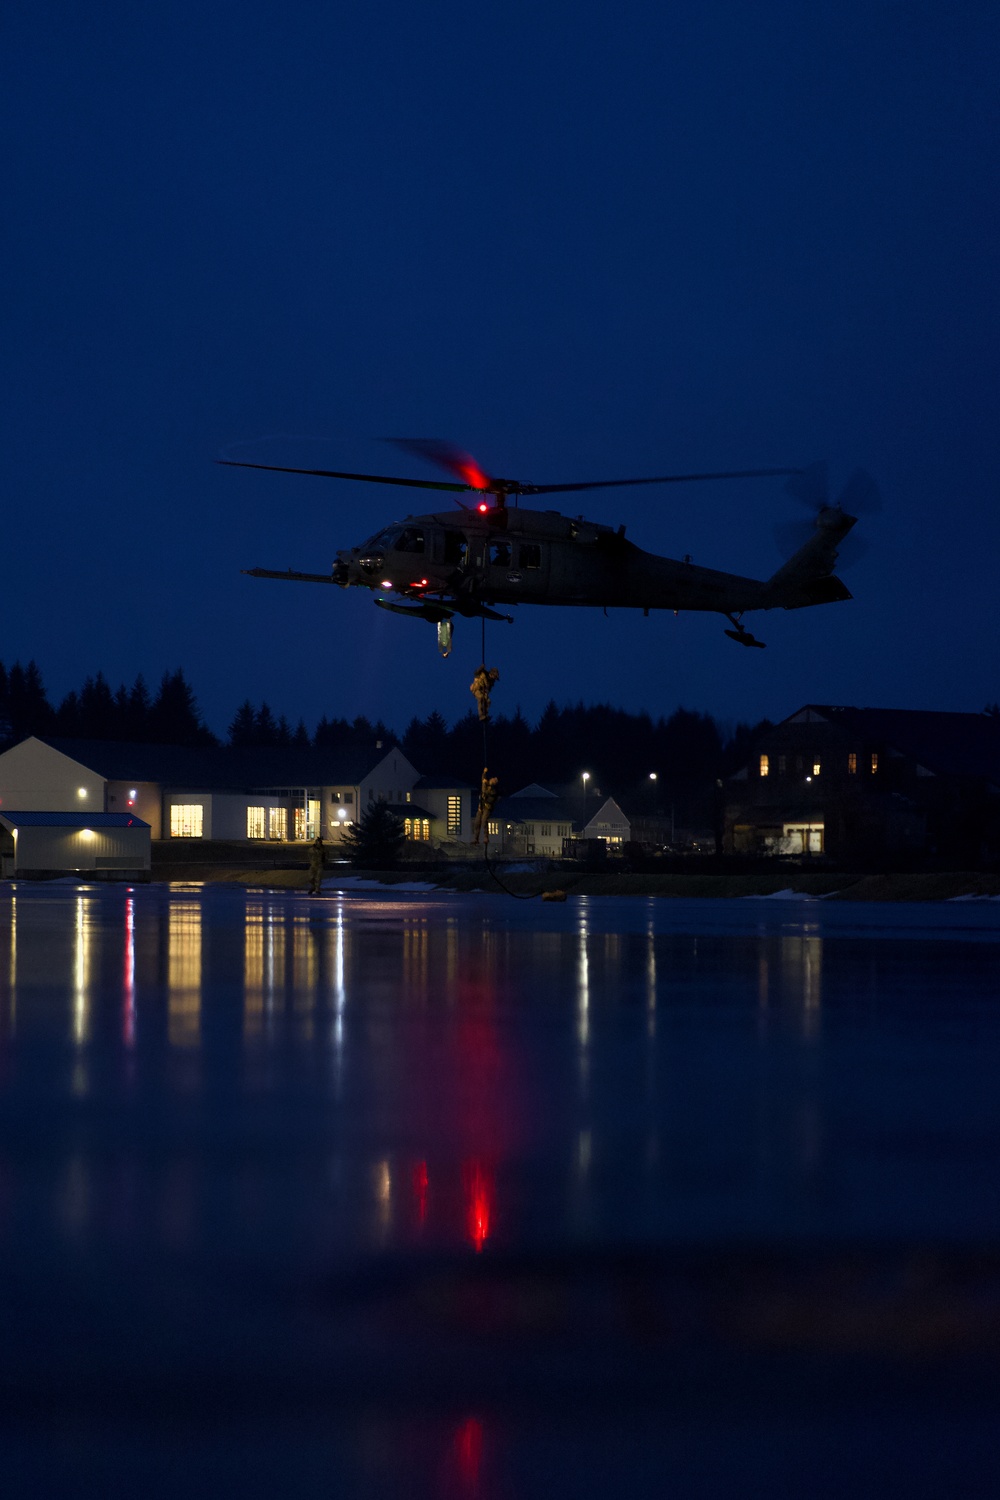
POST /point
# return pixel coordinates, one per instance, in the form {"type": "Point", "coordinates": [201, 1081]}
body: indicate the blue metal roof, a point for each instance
{"type": "Point", "coordinates": [70, 820]}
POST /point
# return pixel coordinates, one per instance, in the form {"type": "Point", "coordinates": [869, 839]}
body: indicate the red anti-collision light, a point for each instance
{"type": "Point", "coordinates": [482, 507]}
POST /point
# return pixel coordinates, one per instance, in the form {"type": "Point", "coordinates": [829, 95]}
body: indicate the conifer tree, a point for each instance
{"type": "Point", "coordinates": [376, 841]}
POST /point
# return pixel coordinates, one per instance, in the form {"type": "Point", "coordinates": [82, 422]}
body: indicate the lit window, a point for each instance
{"type": "Point", "coordinates": [765, 765]}
{"type": "Point", "coordinates": [277, 823]}
{"type": "Point", "coordinates": [454, 814]}
{"type": "Point", "coordinates": [417, 828]}
{"type": "Point", "coordinates": [255, 823]}
{"type": "Point", "coordinates": [187, 820]}
{"type": "Point", "coordinates": [815, 767]}
{"type": "Point", "coordinates": [494, 829]}
{"type": "Point", "coordinates": [300, 823]}
{"type": "Point", "coordinates": [334, 796]}
{"type": "Point", "coordinates": [874, 761]}
{"type": "Point", "coordinates": [852, 764]}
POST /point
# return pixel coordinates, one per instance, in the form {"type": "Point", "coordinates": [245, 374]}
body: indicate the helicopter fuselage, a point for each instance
{"type": "Point", "coordinates": [519, 556]}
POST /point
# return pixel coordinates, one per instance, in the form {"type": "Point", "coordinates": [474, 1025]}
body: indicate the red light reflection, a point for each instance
{"type": "Point", "coordinates": [480, 1187]}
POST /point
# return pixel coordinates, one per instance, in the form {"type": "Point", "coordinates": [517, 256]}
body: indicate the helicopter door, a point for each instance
{"type": "Point", "coordinates": [528, 575]}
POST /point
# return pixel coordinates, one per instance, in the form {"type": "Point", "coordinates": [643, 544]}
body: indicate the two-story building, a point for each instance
{"type": "Point", "coordinates": [864, 783]}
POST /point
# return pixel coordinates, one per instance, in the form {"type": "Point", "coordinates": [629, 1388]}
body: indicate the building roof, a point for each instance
{"type": "Point", "coordinates": [441, 784]}
{"type": "Point", "coordinates": [221, 767]}
{"type": "Point", "coordinates": [71, 820]}
{"type": "Point", "coordinates": [953, 744]}
{"type": "Point", "coordinates": [522, 809]}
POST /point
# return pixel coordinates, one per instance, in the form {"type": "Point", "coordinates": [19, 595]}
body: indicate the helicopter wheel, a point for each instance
{"type": "Point", "coordinates": [742, 635]}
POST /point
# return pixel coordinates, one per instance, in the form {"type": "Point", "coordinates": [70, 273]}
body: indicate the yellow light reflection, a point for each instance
{"type": "Point", "coordinates": [184, 944]}
{"type": "Point", "coordinates": [802, 967]}
{"type": "Point", "coordinates": [253, 971]}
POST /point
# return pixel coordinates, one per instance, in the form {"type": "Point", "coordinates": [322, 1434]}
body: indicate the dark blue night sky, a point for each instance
{"type": "Point", "coordinates": [580, 241]}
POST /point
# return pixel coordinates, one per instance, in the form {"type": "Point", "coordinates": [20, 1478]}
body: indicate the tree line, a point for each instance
{"type": "Point", "coordinates": [685, 751]}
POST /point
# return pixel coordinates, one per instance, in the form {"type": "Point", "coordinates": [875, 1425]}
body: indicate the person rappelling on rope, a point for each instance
{"type": "Point", "coordinates": [488, 795]}
{"type": "Point", "coordinates": [481, 686]}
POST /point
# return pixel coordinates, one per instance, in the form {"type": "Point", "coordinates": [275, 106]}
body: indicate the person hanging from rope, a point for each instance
{"type": "Point", "coordinates": [488, 795]}
{"type": "Point", "coordinates": [481, 686]}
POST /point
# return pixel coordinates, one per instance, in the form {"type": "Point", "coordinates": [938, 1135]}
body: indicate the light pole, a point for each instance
{"type": "Point", "coordinates": [585, 777]}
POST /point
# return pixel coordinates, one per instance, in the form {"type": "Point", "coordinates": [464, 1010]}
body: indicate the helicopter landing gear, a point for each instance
{"type": "Point", "coordinates": [445, 630]}
{"type": "Point", "coordinates": [742, 635]}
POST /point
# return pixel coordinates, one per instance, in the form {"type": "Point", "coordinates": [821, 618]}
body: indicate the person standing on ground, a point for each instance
{"type": "Point", "coordinates": [316, 860]}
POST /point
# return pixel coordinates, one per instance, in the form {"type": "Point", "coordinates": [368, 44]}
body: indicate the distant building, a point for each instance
{"type": "Point", "coordinates": [281, 794]}
{"type": "Point", "coordinates": [618, 828]}
{"type": "Point", "coordinates": [534, 821]}
{"type": "Point", "coordinates": [99, 845]}
{"type": "Point", "coordinates": [857, 784]}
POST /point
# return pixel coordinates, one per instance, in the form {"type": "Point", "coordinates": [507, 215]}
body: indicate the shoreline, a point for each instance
{"type": "Point", "coordinates": [925, 886]}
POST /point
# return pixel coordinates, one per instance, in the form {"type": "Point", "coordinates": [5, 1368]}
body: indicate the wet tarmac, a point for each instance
{"type": "Point", "coordinates": [406, 1193]}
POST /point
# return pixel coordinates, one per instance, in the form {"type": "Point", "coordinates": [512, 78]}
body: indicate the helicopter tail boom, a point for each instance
{"type": "Point", "coordinates": [808, 577]}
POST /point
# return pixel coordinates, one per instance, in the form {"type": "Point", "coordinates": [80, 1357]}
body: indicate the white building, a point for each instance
{"type": "Point", "coordinates": [98, 844]}
{"type": "Point", "coordinates": [281, 794]}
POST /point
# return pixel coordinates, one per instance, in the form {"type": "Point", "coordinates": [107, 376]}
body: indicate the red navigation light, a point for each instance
{"type": "Point", "coordinates": [482, 507]}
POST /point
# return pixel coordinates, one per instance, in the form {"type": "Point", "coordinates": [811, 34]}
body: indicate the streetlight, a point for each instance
{"type": "Point", "coordinates": [585, 777]}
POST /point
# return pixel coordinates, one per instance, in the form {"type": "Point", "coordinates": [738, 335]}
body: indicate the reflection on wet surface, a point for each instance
{"type": "Point", "coordinates": [555, 1133]}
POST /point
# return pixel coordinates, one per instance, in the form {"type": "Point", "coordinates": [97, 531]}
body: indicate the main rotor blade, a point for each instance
{"type": "Point", "coordinates": [447, 456]}
{"type": "Point", "coordinates": [605, 484]}
{"type": "Point", "coordinates": [415, 484]}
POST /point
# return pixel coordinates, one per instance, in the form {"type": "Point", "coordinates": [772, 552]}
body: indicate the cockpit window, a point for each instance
{"type": "Point", "coordinates": [410, 540]}
{"type": "Point", "coordinates": [500, 554]}
{"type": "Point", "coordinates": [382, 542]}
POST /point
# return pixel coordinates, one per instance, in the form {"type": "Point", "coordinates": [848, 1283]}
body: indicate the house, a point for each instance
{"type": "Point", "coordinates": [857, 784]}
{"type": "Point", "coordinates": [533, 821]}
{"type": "Point", "coordinates": [618, 828]}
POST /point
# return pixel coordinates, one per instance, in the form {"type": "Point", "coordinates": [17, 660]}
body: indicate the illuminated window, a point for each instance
{"type": "Point", "coordinates": [255, 823]}
{"type": "Point", "coordinates": [187, 820]}
{"type": "Point", "coordinates": [874, 761]}
{"type": "Point", "coordinates": [765, 765]}
{"type": "Point", "coordinates": [417, 828]}
{"type": "Point", "coordinates": [300, 823]}
{"type": "Point", "coordinates": [494, 829]}
{"type": "Point", "coordinates": [454, 814]}
{"type": "Point", "coordinates": [852, 764]}
{"type": "Point", "coordinates": [277, 823]}
{"type": "Point", "coordinates": [815, 767]}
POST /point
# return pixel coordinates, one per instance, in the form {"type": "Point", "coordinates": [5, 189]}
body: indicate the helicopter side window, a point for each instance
{"type": "Point", "coordinates": [500, 554]}
{"type": "Point", "coordinates": [410, 540]}
{"type": "Point", "coordinates": [530, 555]}
{"type": "Point", "coordinates": [456, 549]}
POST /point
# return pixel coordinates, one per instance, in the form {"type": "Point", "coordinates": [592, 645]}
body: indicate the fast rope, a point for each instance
{"type": "Point", "coordinates": [517, 895]}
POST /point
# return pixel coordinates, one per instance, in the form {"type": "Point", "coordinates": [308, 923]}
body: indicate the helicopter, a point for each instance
{"type": "Point", "coordinates": [499, 552]}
